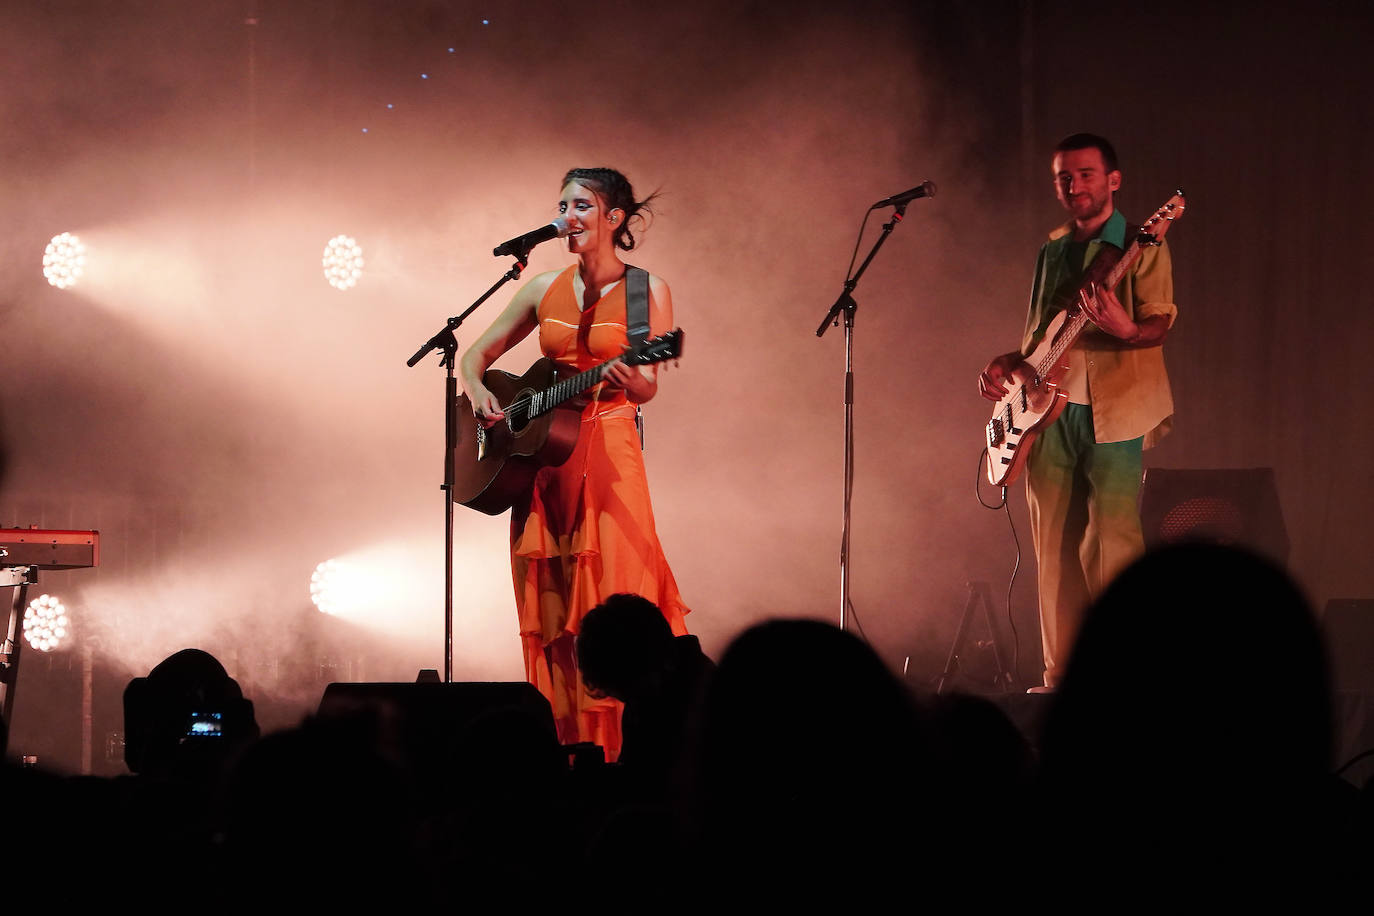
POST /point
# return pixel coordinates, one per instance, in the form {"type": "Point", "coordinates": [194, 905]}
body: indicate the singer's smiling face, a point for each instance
{"type": "Point", "coordinates": [585, 212]}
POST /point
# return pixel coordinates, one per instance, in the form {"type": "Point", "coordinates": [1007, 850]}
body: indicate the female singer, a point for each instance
{"type": "Point", "coordinates": [586, 529]}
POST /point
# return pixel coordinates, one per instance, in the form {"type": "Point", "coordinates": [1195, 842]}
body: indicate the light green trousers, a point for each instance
{"type": "Point", "coordinates": [1085, 521]}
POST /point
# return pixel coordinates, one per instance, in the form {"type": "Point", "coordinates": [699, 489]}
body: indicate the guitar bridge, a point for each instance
{"type": "Point", "coordinates": [481, 441]}
{"type": "Point", "coordinates": [995, 433]}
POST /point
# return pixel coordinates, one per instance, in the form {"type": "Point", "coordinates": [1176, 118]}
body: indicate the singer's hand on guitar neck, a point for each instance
{"type": "Point", "coordinates": [640, 382]}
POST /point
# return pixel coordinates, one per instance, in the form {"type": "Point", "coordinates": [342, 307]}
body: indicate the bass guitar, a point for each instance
{"type": "Point", "coordinates": [1034, 397]}
{"type": "Point", "coordinates": [494, 466]}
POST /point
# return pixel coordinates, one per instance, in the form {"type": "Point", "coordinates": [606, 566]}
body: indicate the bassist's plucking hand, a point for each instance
{"type": "Point", "coordinates": [992, 383]}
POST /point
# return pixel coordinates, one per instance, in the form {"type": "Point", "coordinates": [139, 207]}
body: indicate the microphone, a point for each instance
{"type": "Point", "coordinates": [521, 244]}
{"type": "Point", "coordinates": [924, 189]}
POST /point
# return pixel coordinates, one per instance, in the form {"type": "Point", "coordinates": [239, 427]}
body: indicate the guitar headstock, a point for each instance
{"type": "Point", "coordinates": [656, 349]}
{"type": "Point", "coordinates": [1153, 230]}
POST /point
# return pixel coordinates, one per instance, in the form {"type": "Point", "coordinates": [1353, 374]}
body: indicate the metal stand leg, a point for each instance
{"type": "Point", "coordinates": [978, 593]}
{"type": "Point", "coordinates": [9, 652]}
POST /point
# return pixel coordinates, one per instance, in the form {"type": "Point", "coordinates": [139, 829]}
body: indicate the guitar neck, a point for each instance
{"type": "Point", "coordinates": [665, 346]}
{"type": "Point", "coordinates": [559, 392]}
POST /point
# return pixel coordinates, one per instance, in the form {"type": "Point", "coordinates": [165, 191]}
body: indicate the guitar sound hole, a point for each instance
{"type": "Point", "coordinates": [518, 414]}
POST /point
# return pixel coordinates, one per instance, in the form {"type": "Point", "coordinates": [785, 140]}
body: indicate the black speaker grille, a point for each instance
{"type": "Point", "coordinates": [1204, 518]}
{"type": "Point", "coordinates": [1237, 506]}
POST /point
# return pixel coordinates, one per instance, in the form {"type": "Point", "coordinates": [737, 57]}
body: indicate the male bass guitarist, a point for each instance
{"type": "Point", "coordinates": [1083, 471]}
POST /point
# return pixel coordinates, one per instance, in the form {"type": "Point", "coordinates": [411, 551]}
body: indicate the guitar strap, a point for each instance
{"type": "Point", "coordinates": [637, 322]}
{"type": "Point", "coordinates": [636, 304]}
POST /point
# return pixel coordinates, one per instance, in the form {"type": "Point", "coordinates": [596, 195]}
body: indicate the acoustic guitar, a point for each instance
{"type": "Point", "coordinates": [494, 466]}
{"type": "Point", "coordinates": [1034, 397]}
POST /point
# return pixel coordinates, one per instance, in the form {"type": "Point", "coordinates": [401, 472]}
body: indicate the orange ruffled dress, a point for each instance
{"type": "Point", "coordinates": [587, 531]}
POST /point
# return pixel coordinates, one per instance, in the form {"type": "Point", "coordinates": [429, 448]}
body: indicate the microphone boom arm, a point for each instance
{"type": "Point", "coordinates": [846, 301]}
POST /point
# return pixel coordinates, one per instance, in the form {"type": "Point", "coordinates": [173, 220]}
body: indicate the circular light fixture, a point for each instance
{"type": "Point", "coordinates": [343, 262]}
{"type": "Point", "coordinates": [64, 260]}
{"type": "Point", "coordinates": [45, 623]}
{"type": "Point", "coordinates": [326, 586]}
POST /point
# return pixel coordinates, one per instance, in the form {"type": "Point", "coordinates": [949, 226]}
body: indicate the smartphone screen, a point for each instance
{"type": "Point", "coordinates": [205, 725]}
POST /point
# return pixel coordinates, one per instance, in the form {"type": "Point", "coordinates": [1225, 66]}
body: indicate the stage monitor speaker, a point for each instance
{"type": "Point", "coordinates": [1348, 624]}
{"type": "Point", "coordinates": [426, 720]}
{"type": "Point", "coordinates": [1237, 506]}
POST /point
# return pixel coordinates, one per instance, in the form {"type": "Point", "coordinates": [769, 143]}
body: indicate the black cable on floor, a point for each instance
{"type": "Point", "coordinates": [1016, 567]}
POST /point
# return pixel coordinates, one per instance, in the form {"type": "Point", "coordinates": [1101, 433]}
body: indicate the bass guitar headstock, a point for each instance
{"type": "Point", "coordinates": [1153, 230]}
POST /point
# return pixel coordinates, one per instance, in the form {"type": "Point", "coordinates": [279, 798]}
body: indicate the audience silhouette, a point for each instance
{"type": "Point", "coordinates": [186, 718]}
{"type": "Point", "coordinates": [626, 650]}
{"type": "Point", "coordinates": [1160, 762]}
{"type": "Point", "coordinates": [800, 762]}
{"type": "Point", "coordinates": [813, 762]}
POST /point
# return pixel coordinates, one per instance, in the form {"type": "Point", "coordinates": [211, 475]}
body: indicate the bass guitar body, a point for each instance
{"type": "Point", "coordinates": [494, 468]}
{"type": "Point", "coordinates": [1033, 401]}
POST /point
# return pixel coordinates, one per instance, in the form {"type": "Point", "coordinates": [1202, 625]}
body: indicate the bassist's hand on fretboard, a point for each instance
{"type": "Point", "coordinates": [1106, 311]}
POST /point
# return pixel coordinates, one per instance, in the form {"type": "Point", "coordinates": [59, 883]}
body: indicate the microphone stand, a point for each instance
{"type": "Point", "coordinates": [846, 304]}
{"type": "Point", "coordinates": [446, 341]}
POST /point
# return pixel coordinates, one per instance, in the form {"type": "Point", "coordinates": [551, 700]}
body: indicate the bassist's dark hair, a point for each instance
{"type": "Point", "coordinates": [1090, 141]}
